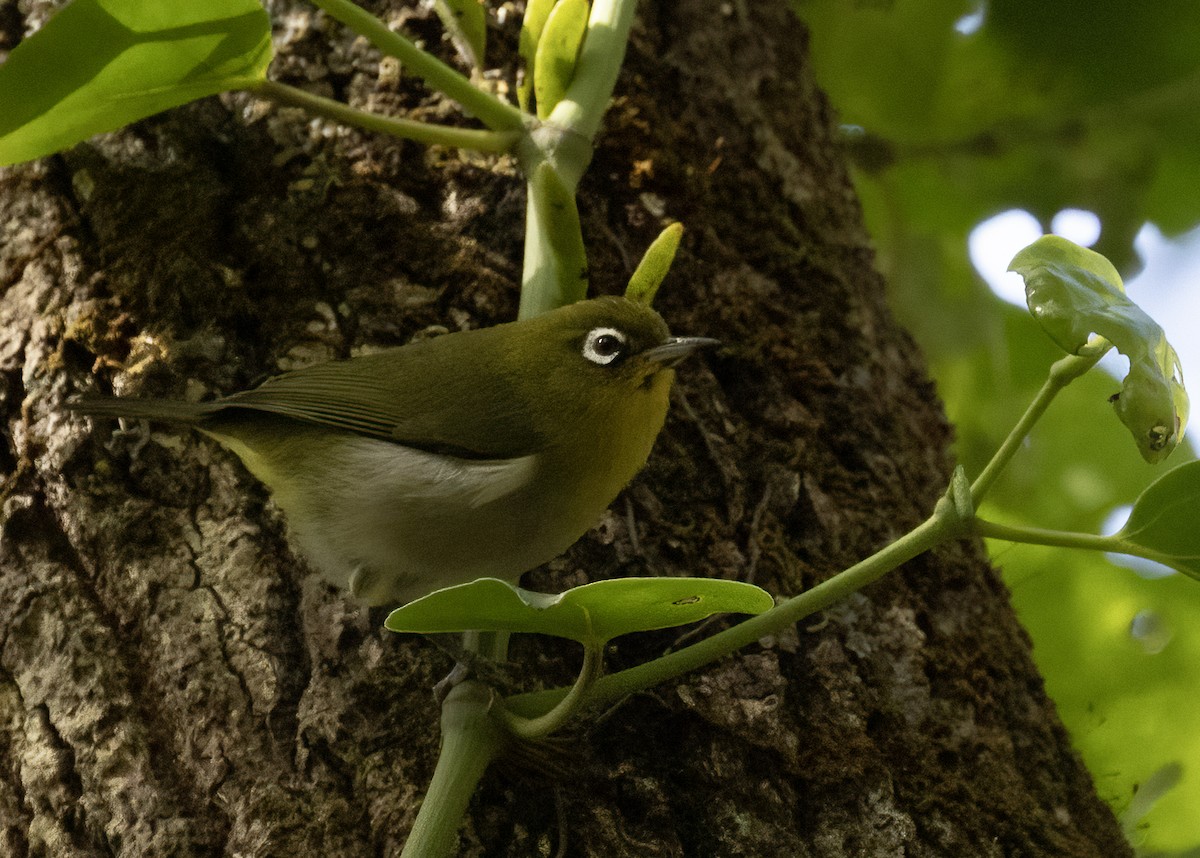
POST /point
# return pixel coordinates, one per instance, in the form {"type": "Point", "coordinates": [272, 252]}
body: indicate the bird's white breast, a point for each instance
{"type": "Point", "coordinates": [392, 522]}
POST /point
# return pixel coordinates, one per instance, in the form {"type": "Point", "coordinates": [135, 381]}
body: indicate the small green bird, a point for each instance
{"type": "Point", "coordinates": [481, 453]}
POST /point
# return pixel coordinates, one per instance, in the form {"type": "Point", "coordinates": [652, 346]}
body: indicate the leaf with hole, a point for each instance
{"type": "Point", "coordinates": [592, 614]}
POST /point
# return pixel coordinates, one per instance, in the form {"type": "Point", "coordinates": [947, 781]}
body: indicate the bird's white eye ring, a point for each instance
{"type": "Point", "coordinates": [604, 345]}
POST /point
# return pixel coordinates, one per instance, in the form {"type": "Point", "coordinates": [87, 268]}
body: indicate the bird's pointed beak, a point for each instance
{"type": "Point", "coordinates": [672, 351]}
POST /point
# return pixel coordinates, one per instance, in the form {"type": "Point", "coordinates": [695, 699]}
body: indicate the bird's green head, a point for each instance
{"type": "Point", "coordinates": [609, 356]}
{"type": "Point", "coordinates": [608, 343]}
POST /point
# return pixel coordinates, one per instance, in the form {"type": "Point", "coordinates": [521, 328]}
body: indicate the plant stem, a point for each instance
{"type": "Point", "coordinates": [943, 525]}
{"type": "Point", "coordinates": [471, 739]}
{"type": "Point", "coordinates": [544, 725]}
{"type": "Point", "coordinates": [554, 272]}
{"type": "Point", "coordinates": [1062, 373]}
{"type": "Point", "coordinates": [491, 111]}
{"type": "Point", "coordinates": [422, 132]}
{"type": "Point", "coordinates": [586, 99]}
{"type": "Point", "coordinates": [1040, 536]}
{"type": "Point", "coordinates": [1066, 539]}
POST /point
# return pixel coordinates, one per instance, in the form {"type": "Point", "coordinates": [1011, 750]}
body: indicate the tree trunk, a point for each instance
{"type": "Point", "coordinates": [173, 681]}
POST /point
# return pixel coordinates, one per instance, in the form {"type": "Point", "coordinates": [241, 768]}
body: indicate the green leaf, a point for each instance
{"type": "Point", "coordinates": [1153, 403]}
{"type": "Point", "coordinates": [536, 13]}
{"type": "Point", "coordinates": [592, 614]}
{"type": "Point", "coordinates": [655, 264]}
{"type": "Point", "coordinates": [466, 22]}
{"type": "Point", "coordinates": [101, 64]}
{"type": "Point", "coordinates": [557, 51]}
{"type": "Point", "coordinates": [1166, 519]}
{"type": "Point", "coordinates": [1066, 287]}
{"type": "Point", "coordinates": [1074, 292]}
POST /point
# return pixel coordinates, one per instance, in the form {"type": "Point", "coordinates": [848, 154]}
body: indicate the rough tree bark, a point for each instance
{"type": "Point", "coordinates": [173, 683]}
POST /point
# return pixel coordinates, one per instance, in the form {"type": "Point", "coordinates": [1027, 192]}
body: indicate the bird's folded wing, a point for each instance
{"type": "Point", "coordinates": [318, 396]}
{"type": "Point", "coordinates": [388, 395]}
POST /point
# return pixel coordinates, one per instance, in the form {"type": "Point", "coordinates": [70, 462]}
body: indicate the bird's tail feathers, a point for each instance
{"type": "Point", "coordinates": [159, 410]}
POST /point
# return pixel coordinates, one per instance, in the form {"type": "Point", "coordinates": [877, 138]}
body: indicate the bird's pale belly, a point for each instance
{"type": "Point", "coordinates": [392, 523]}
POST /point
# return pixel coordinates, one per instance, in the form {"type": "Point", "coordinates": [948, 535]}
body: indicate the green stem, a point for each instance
{"type": "Point", "coordinates": [491, 111]}
{"type": "Point", "coordinates": [554, 271]}
{"type": "Point", "coordinates": [586, 99]}
{"type": "Point", "coordinates": [471, 739]}
{"type": "Point", "coordinates": [1065, 539]}
{"type": "Point", "coordinates": [1040, 536]}
{"type": "Point", "coordinates": [572, 702]}
{"type": "Point", "coordinates": [1062, 373]}
{"type": "Point", "coordinates": [489, 645]}
{"type": "Point", "coordinates": [943, 525]}
{"type": "Point", "coordinates": [539, 279]}
{"type": "Point", "coordinates": [422, 132]}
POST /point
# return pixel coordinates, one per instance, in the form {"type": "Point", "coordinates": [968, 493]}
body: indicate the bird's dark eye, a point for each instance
{"type": "Point", "coordinates": [604, 345]}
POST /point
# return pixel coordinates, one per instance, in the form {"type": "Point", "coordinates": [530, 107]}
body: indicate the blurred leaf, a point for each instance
{"type": "Point", "coordinates": [1062, 37]}
{"type": "Point", "coordinates": [536, 13]}
{"type": "Point", "coordinates": [1127, 704]}
{"type": "Point", "coordinates": [466, 22]}
{"type": "Point", "coordinates": [101, 64]}
{"type": "Point", "coordinates": [592, 614]}
{"type": "Point", "coordinates": [1166, 519]}
{"type": "Point", "coordinates": [655, 264]}
{"type": "Point", "coordinates": [1101, 116]}
{"type": "Point", "coordinates": [557, 51]}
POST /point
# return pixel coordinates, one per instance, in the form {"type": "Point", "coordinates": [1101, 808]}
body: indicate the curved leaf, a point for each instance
{"type": "Point", "coordinates": [536, 13]}
{"type": "Point", "coordinates": [655, 264]}
{"type": "Point", "coordinates": [101, 64]}
{"type": "Point", "coordinates": [1166, 519]}
{"type": "Point", "coordinates": [1066, 286]}
{"type": "Point", "coordinates": [557, 51]}
{"type": "Point", "coordinates": [592, 614]}
{"type": "Point", "coordinates": [1074, 292]}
